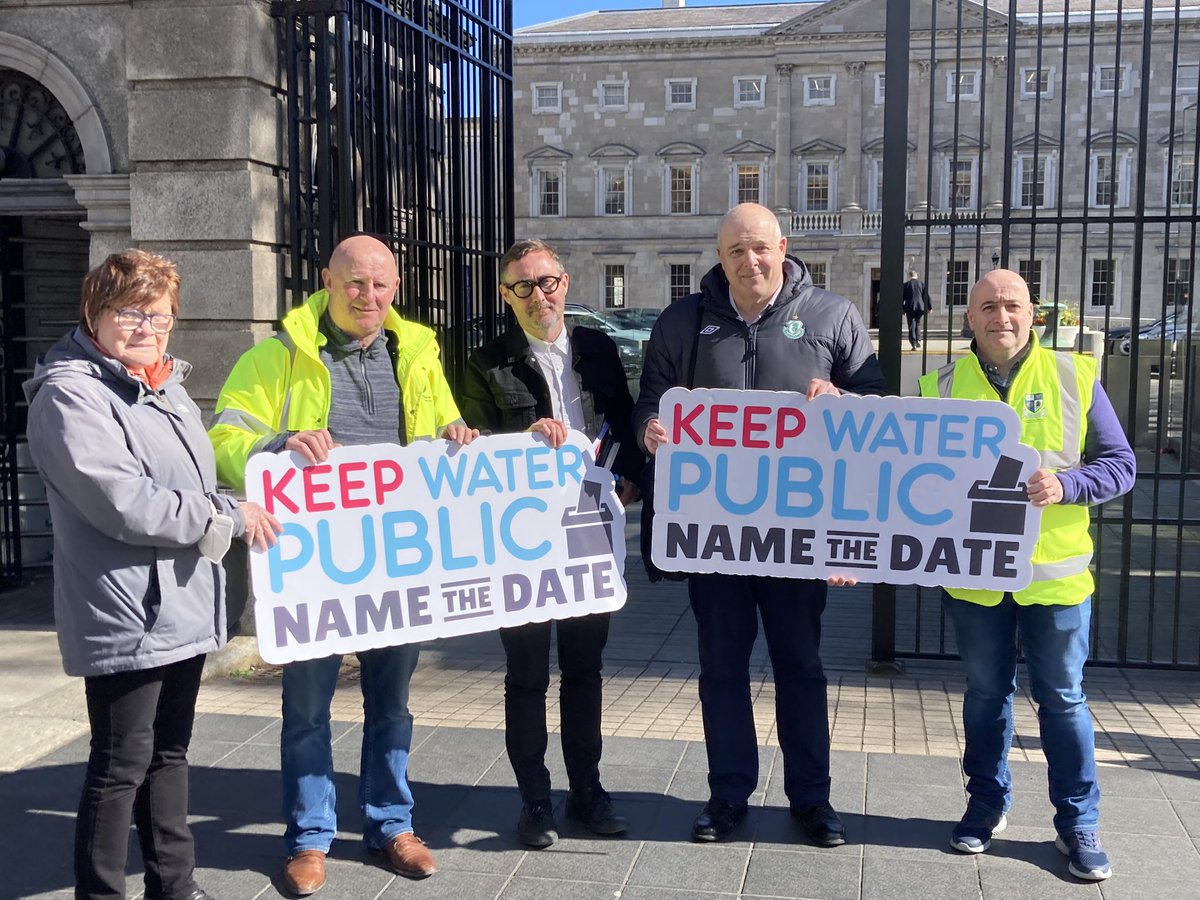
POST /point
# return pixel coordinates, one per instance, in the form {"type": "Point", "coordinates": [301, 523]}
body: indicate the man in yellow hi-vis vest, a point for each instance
{"type": "Point", "coordinates": [1086, 459]}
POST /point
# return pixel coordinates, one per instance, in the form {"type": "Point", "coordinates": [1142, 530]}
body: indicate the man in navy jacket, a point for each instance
{"type": "Point", "coordinates": [759, 323]}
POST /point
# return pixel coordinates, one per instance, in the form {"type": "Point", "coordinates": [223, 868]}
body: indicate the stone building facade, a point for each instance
{"type": "Point", "coordinates": [636, 130]}
{"type": "Point", "coordinates": [175, 114]}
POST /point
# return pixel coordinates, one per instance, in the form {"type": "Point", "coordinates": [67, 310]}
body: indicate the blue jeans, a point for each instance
{"type": "Point", "coordinates": [727, 608]}
{"type": "Point", "coordinates": [306, 754]}
{"type": "Point", "coordinates": [1054, 641]}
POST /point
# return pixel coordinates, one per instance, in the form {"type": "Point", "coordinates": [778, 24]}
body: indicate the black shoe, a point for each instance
{"type": "Point", "coordinates": [536, 827]}
{"type": "Point", "coordinates": [594, 809]}
{"type": "Point", "coordinates": [820, 824]}
{"type": "Point", "coordinates": [717, 821]}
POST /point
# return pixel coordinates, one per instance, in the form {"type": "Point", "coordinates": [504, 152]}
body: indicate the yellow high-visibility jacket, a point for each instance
{"type": "Point", "coordinates": [281, 385]}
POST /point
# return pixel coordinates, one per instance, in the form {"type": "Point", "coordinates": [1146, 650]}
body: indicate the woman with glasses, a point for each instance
{"type": "Point", "coordinates": [139, 533]}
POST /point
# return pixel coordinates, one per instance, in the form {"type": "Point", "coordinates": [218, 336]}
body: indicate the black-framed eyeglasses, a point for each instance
{"type": "Point", "coordinates": [548, 284]}
{"type": "Point", "coordinates": [132, 319]}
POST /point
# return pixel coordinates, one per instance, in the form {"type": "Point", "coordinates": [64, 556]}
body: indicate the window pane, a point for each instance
{"type": "Point", "coordinates": [1033, 181]}
{"type": "Point", "coordinates": [818, 272]}
{"type": "Point", "coordinates": [1110, 78]}
{"type": "Point", "coordinates": [817, 187]}
{"type": "Point", "coordinates": [1031, 271]}
{"type": "Point", "coordinates": [545, 96]}
{"type": "Point", "coordinates": [614, 286]}
{"type": "Point", "coordinates": [820, 87]}
{"type": "Point", "coordinates": [958, 282]}
{"type": "Point", "coordinates": [1102, 282]}
{"type": "Point", "coordinates": [681, 189]}
{"type": "Point", "coordinates": [548, 194]}
{"type": "Point", "coordinates": [614, 95]}
{"type": "Point", "coordinates": [614, 192]}
{"type": "Point", "coordinates": [1187, 78]}
{"type": "Point", "coordinates": [1179, 281]}
{"type": "Point", "coordinates": [681, 93]}
{"type": "Point", "coordinates": [749, 90]}
{"type": "Point", "coordinates": [748, 178]}
{"type": "Point", "coordinates": [962, 184]}
{"type": "Point", "coordinates": [1183, 183]}
{"type": "Point", "coordinates": [1106, 183]}
{"type": "Point", "coordinates": [681, 281]}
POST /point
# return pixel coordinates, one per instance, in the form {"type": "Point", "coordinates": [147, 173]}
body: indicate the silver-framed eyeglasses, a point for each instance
{"type": "Point", "coordinates": [132, 319]}
{"type": "Point", "coordinates": [548, 284]}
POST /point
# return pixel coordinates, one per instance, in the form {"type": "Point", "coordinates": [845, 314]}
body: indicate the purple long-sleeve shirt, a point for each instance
{"type": "Point", "coordinates": [1109, 466]}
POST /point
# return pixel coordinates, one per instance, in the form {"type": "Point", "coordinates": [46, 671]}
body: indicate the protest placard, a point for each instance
{"type": "Point", "coordinates": [905, 490]}
{"type": "Point", "coordinates": [385, 545]}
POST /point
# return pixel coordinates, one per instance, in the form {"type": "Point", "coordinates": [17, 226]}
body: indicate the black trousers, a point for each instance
{"type": "Point", "coordinates": [141, 726]}
{"type": "Point", "coordinates": [727, 609]}
{"type": "Point", "coordinates": [580, 647]}
{"type": "Point", "coordinates": [914, 329]}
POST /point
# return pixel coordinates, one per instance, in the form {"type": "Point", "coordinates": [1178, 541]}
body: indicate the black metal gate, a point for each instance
{"type": "Point", "coordinates": [400, 124]}
{"type": "Point", "coordinates": [1060, 140]}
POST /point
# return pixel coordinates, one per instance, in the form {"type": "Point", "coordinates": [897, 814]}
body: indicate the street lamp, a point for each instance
{"type": "Point", "coordinates": [995, 259]}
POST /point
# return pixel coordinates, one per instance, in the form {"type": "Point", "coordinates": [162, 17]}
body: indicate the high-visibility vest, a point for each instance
{"type": "Point", "coordinates": [1051, 393]}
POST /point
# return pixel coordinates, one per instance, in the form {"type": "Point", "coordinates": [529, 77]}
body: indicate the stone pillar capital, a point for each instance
{"type": "Point", "coordinates": [784, 70]}
{"type": "Point", "coordinates": [855, 69]}
{"type": "Point", "coordinates": [106, 199]}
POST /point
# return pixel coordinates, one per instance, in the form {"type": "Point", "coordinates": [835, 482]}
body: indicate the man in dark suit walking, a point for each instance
{"type": "Point", "coordinates": [916, 304]}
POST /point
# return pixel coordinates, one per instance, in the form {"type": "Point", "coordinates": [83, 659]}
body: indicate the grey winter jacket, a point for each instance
{"type": "Point", "coordinates": [131, 483]}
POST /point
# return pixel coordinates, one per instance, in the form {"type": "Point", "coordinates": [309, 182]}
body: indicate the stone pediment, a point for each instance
{"type": "Point", "coordinates": [1101, 139]}
{"type": "Point", "coordinates": [965, 142]}
{"type": "Point", "coordinates": [1043, 142]}
{"type": "Point", "coordinates": [680, 148]}
{"type": "Point", "coordinates": [876, 146]}
{"type": "Point", "coordinates": [820, 145]}
{"type": "Point", "coordinates": [613, 151]}
{"type": "Point", "coordinates": [750, 148]}
{"type": "Point", "coordinates": [546, 153]}
{"type": "Point", "coordinates": [870, 17]}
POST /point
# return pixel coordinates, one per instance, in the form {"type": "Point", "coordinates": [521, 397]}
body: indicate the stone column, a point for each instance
{"type": "Point", "coordinates": [853, 161]}
{"type": "Point", "coordinates": [206, 150]}
{"type": "Point", "coordinates": [783, 139]}
{"type": "Point", "coordinates": [996, 90]}
{"type": "Point", "coordinates": [920, 183]}
{"type": "Point", "coordinates": [106, 199]}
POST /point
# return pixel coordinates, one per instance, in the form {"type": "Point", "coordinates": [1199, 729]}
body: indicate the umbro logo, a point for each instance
{"type": "Point", "coordinates": [710, 329]}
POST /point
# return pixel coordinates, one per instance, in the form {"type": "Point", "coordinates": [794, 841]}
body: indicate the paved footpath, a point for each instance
{"type": "Point", "coordinates": [896, 778]}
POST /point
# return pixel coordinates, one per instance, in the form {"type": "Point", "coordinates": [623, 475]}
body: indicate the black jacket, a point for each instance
{"type": "Point", "coordinates": [916, 298]}
{"type": "Point", "coordinates": [504, 390]}
{"type": "Point", "coordinates": [807, 333]}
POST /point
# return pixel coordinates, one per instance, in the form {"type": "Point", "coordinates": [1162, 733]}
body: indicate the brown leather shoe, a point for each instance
{"type": "Point", "coordinates": [406, 854]}
{"type": "Point", "coordinates": [304, 873]}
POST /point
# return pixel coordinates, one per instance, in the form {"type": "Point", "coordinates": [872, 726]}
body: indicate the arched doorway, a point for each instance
{"type": "Point", "coordinates": [43, 256]}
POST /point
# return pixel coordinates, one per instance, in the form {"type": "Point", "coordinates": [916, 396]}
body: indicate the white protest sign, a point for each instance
{"type": "Point", "coordinates": [385, 545]}
{"type": "Point", "coordinates": [905, 490]}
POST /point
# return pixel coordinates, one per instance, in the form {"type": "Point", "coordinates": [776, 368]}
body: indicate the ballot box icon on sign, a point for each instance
{"type": "Point", "coordinates": [589, 524]}
{"type": "Point", "coordinates": [998, 504]}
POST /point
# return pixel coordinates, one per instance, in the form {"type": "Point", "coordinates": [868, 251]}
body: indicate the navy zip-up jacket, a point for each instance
{"type": "Point", "coordinates": [806, 333]}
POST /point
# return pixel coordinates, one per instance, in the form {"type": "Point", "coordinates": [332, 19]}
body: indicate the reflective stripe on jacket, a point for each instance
{"type": "Point", "coordinates": [1051, 393]}
{"type": "Point", "coordinates": [281, 385]}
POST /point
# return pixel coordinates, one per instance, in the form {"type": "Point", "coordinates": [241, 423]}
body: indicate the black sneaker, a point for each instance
{"type": "Point", "coordinates": [536, 827]}
{"type": "Point", "coordinates": [820, 824]}
{"type": "Point", "coordinates": [717, 821]}
{"type": "Point", "coordinates": [594, 810]}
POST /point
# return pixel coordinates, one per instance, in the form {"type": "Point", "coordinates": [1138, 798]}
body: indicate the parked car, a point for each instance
{"type": "Point", "coordinates": [1174, 326]}
{"type": "Point", "coordinates": [630, 344]}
